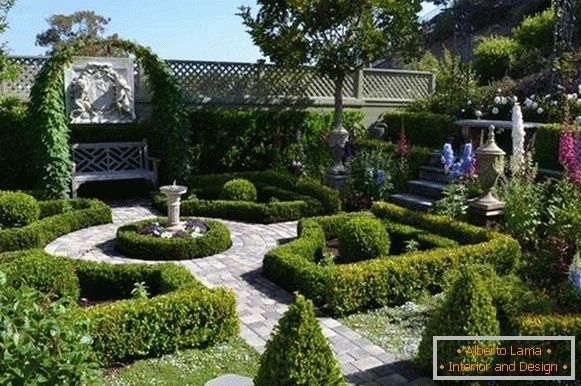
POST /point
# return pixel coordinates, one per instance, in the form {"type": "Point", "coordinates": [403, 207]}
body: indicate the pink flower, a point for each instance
{"type": "Point", "coordinates": [567, 149]}
{"type": "Point", "coordinates": [402, 145]}
{"type": "Point", "coordinates": [568, 157]}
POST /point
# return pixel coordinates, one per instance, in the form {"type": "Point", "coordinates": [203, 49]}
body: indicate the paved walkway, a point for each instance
{"type": "Point", "coordinates": [260, 302]}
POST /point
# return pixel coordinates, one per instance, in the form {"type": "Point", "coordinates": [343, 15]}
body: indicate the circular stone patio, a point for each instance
{"type": "Point", "coordinates": [260, 302]}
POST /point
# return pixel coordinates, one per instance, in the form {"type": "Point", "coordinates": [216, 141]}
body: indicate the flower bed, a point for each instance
{"type": "Point", "coordinates": [387, 280]}
{"type": "Point", "coordinates": [57, 218]}
{"type": "Point", "coordinates": [280, 198]}
{"type": "Point", "coordinates": [150, 240]}
{"type": "Point", "coordinates": [181, 313]}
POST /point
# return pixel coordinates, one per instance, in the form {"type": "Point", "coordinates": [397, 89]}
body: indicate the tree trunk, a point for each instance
{"type": "Point", "coordinates": [338, 123]}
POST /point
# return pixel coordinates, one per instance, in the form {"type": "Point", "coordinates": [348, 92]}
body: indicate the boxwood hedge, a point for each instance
{"type": "Point", "coordinates": [386, 280]}
{"type": "Point", "coordinates": [181, 313]}
{"type": "Point", "coordinates": [281, 198]}
{"type": "Point", "coordinates": [133, 244]}
{"type": "Point", "coordinates": [57, 218]}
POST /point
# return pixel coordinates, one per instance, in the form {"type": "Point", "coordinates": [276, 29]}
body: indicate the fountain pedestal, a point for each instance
{"type": "Point", "coordinates": [173, 194]}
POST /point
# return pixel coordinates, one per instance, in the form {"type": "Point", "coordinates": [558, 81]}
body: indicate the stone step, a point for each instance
{"type": "Point", "coordinates": [412, 201]}
{"type": "Point", "coordinates": [427, 188]}
{"type": "Point", "coordinates": [433, 173]}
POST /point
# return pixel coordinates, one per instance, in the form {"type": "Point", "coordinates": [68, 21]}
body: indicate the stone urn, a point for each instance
{"type": "Point", "coordinates": [173, 194]}
{"type": "Point", "coordinates": [490, 166]}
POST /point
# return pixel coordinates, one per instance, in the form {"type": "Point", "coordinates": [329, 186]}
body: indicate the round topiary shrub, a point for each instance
{"type": "Point", "coordinates": [17, 210]}
{"type": "Point", "coordinates": [362, 238]}
{"type": "Point", "coordinates": [239, 189]}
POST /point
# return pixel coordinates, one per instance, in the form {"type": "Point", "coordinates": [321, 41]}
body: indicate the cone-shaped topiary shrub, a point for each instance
{"type": "Point", "coordinates": [239, 189]}
{"type": "Point", "coordinates": [362, 238]}
{"type": "Point", "coordinates": [17, 209]}
{"type": "Point", "coordinates": [467, 310]}
{"type": "Point", "coordinates": [298, 353]}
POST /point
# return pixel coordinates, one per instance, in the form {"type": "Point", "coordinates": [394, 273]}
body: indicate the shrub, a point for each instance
{"type": "Point", "coordinates": [256, 139]}
{"type": "Point", "coordinates": [85, 213]}
{"type": "Point", "coordinates": [467, 310]}
{"type": "Point", "coordinates": [133, 244]}
{"type": "Point", "coordinates": [182, 313]}
{"type": "Point", "coordinates": [346, 288]}
{"type": "Point", "coordinates": [298, 353]}
{"type": "Point", "coordinates": [537, 31]}
{"type": "Point", "coordinates": [494, 58]}
{"type": "Point", "coordinates": [363, 238]}
{"type": "Point", "coordinates": [17, 210]}
{"type": "Point", "coordinates": [298, 198]}
{"type": "Point", "coordinates": [39, 344]}
{"type": "Point", "coordinates": [14, 158]}
{"type": "Point", "coordinates": [50, 275]}
{"type": "Point", "coordinates": [547, 146]}
{"type": "Point", "coordinates": [239, 189]}
{"type": "Point", "coordinates": [130, 329]}
{"type": "Point", "coordinates": [417, 124]}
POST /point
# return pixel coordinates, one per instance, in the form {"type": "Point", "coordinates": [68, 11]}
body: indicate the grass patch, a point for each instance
{"type": "Point", "coordinates": [189, 367]}
{"type": "Point", "coordinates": [398, 330]}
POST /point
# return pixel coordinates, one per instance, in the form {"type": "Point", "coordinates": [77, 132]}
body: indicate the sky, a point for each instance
{"type": "Point", "coordinates": [174, 29]}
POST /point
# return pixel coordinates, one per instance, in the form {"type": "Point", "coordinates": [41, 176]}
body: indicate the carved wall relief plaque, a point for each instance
{"type": "Point", "coordinates": [100, 90]}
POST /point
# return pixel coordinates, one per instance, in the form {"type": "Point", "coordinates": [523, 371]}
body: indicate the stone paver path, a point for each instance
{"type": "Point", "coordinates": [260, 302]}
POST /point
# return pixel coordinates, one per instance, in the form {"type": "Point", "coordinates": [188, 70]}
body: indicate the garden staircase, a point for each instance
{"type": "Point", "coordinates": [428, 188]}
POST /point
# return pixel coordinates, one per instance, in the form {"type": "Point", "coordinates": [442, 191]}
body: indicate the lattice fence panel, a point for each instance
{"type": "Point", "coordinates": [241, 83]}
{"type": "Point", "coordinates": [396, 85]}
{"type": "Point", "coordinates": [20, 87]}
{"type": "Point", "coordinates": [300, 83]}
{"type": "Point", "coordinates": [215, 81]}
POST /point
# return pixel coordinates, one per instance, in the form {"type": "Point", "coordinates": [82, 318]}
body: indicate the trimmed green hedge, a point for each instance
{"type": "Point", "coordinates": [422, 129]}
{"type": "Point", "coordinates": [284, 198]}
{"type": "Point", "coordinates": [226, 140]}
{"type": "Point", "coordinates": [553, 325]}
{"type": "Point", "coordinates": [47, 274]}
{"type": "Point", "coordinates": [131, 243]}
{"type": "Point", "coordinates": [182, 313]}
{"type": "Point", "coordinates": [383, 281]}
{"type": "Point", "coordinates": [83, 213]}
{"type": "Point", "coordinates": [547, 146]}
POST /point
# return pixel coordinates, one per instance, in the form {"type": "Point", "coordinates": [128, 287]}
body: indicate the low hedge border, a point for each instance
{"type": "Point", "coordinates": [299, 198]}
{"type": "Point", "coordinates": [57, 218]}
{"type": "Point", "coordinates": [132, 244]}
{"type": "Point", "coordinates": [347, 288]}
{"type": "Point", "coordinates": [182, 312]}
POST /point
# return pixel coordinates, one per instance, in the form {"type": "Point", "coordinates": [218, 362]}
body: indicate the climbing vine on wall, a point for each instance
{"type": "Point", "coordinates": [47, 116]}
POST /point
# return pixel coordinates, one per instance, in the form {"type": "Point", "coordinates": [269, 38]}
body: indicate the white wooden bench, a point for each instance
{"type": "Point", "coordinates": [112, 161]}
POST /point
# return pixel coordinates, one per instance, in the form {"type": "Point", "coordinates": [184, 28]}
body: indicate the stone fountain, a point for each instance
{"type": "Point", "coordinates": [173, 193]}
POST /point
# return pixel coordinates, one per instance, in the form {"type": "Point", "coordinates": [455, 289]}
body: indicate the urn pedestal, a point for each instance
{"type": "Point", "coordinates": [490, 166]}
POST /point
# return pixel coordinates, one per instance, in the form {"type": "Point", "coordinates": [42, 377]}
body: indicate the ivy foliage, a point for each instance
{"type": "Point", "coordinates": [47, 115]}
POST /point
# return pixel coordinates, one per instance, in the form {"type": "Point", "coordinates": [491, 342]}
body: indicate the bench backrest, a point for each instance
{"type": "Point", "coordinates": [109, 157]}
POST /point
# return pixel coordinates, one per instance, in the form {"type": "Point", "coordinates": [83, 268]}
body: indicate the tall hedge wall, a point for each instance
{"type": "Point", "coordinates": [422, 129]}
{"type": "Point", "coordinates": [242, 140]}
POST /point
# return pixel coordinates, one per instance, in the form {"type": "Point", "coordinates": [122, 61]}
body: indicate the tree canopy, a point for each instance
{"type": "Point", "coordinates": [66, 29]}
{"type": "Point", "coordinates": [336, 36]}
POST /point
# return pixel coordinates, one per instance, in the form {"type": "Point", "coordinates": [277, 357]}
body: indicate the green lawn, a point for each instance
{"type": "Point", "coordinates": [189, 367]}
{"type": "Point", "coordinates": [398, 330]}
